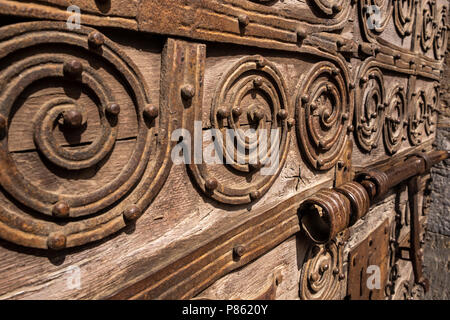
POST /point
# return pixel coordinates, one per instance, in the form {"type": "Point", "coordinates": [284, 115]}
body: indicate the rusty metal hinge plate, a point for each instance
{"type": "Point", "coordinates": [366, 260]}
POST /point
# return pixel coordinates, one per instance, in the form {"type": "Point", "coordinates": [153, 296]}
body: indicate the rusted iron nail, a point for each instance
{"type": "Point", "coordinates": [237, 111]}
{"type": "Point", "coordinates": [239, 251]}
{"type": "Point", "coordinates": [132, 213]}
{"type": "Point", "coordinates": [151, 112]}
{"type": "Point", "coordinates": [255, 194]}
{"type": "Point", "coordinates": [73, 68]}
{"type": "Point", "coordinates": [255, 166]}
{"type": "Point", "coordinates": [56, 241]}
{"type": "Point", "coordinates": [260, 62]}
{"type": "Point", "coordinates": [243, 20]}
{"type": "Point", "coordinates": [96, 39]}
{"type": "Point", "coordinates": [283, 114]}
{"type": "Point", "coordinates": [73, 118]}
{"type": "Point", "coordinates": [113, 109]}
{"type": "Point", "coordinates": [258, 82]}
{"type": "Point", "coordinates": [211, 184]}
{"type": "Point", "coordinates": [305, 98]}
{"type": "Point", "coordinates": [223, 112]}
{"type": "Point", "coordinates": [61, 209]}
{"type": "Point", "coordinates": [336, 8]}
{"type": "Point", "coordinates": [350, 128]}
{"type": "Point", "coordinates": [258, 114]}
{"type": "Point", "coordinates": [187, 92]}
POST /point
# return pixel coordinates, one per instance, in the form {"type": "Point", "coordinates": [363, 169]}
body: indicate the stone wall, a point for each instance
{"type": "Point", "coordinates": [437, 245]}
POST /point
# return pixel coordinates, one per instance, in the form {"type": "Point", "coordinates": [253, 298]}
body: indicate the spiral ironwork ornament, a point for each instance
{"type": "Point", "coordinates": [404, 16]}
{"type": "Point", "coordinates": [323, 111]}
{"type": "Point", "coordinates": [395, 120]}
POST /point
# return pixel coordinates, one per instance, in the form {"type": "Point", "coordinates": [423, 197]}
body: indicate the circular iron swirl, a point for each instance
{"type": "Point", "coordinates": [324, 112]}
{"type": "Point", "coordinates": [370, 99]}
{"type": "Point", "coordinates": [428, 25]}
{"type": "Point", "coordinates": [33, 55]}
{"type": "Point", "coordinates": [396, 120]}
{"type": "Point", "coordinates": [251, 103]}
{"type": "Point", "coordinates": [321, 272]}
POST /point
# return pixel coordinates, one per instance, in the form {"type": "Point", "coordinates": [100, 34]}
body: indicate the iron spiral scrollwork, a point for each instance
{"type": "Point", "coordinates": [404, 16]}
{"type": "Point", "coordinates": [428, 28]}
{"type": "Point", "coordinates": [396, 120]}
{"type": "Point", "coordinates": [322, 273]}
{"type": "Point", "coordinates": [370, 98]}
{"type": "Point", "coordinates": [324, 111]}
{"type": "Point", "coordinates": [375, 16]}
{"type": "Point", "coordinates": [74, 70]}
{"type": "Point", "coordinates": [251, 102]}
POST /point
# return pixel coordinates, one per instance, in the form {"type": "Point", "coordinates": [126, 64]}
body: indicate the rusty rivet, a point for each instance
{"type": "Point", "coordinates": [96, 39]}
{"type": "Point", "coordinates": [283, 114]}
{"type": "Point", "coordinates": [113, 109]}
{"type": "Point", "coordinates": [258, 82]}
{"type": "Point", "coordinates": [324, 267]}
{"type": "Point", "coordinates": [239, 251]}
{"type": "Point", "coordinates": [301, 33]}
{"type": "Point", "coordinates": [341, 276]}
{"type": "Point", "coordinates": [243, 20]}
{"type": "Point", "coordinates": [237, 111]}
{"type": "Point", "coordinates": [305, 98]}
{"type": "Point", "coordinates": [73, 68]}
{"type": "Point", "coordinates": [61, 209]}
{"type": "Point", "coordinates": [73, 118]}
{"type": "Point", "coordinates": [3, 124]}
{"type": "Point", "coordinates": [187, 92]}
{"type": "Point", "coordinates": [151, 112]}
{"type": "Point", "coordinates": [290, 122]}
{"type": "Point", "coordinates": [211, 184]}
{"type": "Point", "coordinates": [335, 271]}
{"type": "Point", "coordinates": [131, 213]}
{"type": "Point", "coordinates": [56, 241]}
{"type": "Point", "coordinates": [255, 194]}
